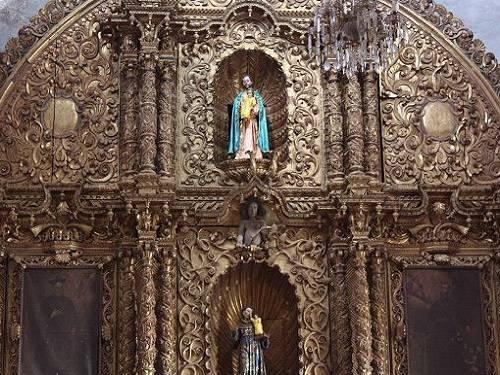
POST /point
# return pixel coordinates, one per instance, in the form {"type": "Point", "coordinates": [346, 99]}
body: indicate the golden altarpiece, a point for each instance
{"type": "Point", "coordinates": [113, 139]}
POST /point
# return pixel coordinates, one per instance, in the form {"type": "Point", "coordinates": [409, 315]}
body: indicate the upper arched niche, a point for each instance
{"type": "Point", "coordinates": [268, 78]}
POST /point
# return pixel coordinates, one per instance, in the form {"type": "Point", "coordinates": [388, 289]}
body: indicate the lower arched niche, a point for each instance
{"type": "Point", "coordinates": [272, 297]}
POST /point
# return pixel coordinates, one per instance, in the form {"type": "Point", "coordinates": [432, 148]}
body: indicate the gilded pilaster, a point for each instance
{"type": "Point", "coordinates": [126, 316]}
{"type": "Point", "coordinates": [372, 127]}
{"type": "Point", "coordinates": [146, 303]}
{"type": "Point", "coordinates": [165, 121]}
{"type": "Point", "coordinates": [359, 309]}
{"type": "Point", "coordinates": [129, 110]}
{"type": "Point", "coordinates": [167, 313]}
{"type": "Point", "coordinates": [378, 297]}
{"type": "Point", "coordinates": [334, 127]}
{"type": "Point", "coordinates": [340, 335]}
{"type": "Point", "coordinates": [354, 129]}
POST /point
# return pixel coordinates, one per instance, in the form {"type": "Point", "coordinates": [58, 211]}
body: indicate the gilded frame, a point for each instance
{"type": "Point", "coordinates": [489, 284]}
{"type": "Point", "coordinates": [17, 267]}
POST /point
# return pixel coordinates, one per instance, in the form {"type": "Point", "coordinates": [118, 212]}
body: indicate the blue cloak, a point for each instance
{"type": "Point", "coordinates": [234, 132]}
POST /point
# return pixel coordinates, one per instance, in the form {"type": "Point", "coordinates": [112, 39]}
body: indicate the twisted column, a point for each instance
{"type": "Point", "coordinates": [379, 314]}
{"type": "Point", "coordinates": [354, 129]}
{"type": "Point", "coordinates": [129, 149]}
{"type": "Point", "coordinates": [333, 127]}
{"type": "Point", "coordinates": [165, 122]}
{"type": "Point", "coordinates": [167, 313]}
{"type": "Point", "coordinates": [126, 316]}
{"type": "Point", "coordinates": [148, 119]}
{"type": "Point", "coordinates": [359, 308]}
{"type": "Point", "coordinates": [372, 126]}
{"type": "Point", "coordinates": [146, 318]}
{"type": "Point", "coordinates": [340, 348]}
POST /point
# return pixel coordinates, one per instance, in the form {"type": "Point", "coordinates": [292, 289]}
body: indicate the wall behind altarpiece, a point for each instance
{"type": "Point", "coordinates": [120, 209]}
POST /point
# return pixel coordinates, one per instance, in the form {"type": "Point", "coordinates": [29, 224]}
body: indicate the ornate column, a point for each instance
{"type": "Point", "coordinates": [146, 302]}
{"type": "Point", "coordinates": [354, 129]}
{"type": "Point", "coordinates": [359, 309]}
{"type": "Point", "coordinates": [147, 130]}
{"type": "Point", "coordinates": [340, 333]}
{"type": "Point", "coordinates": [126, 316]}
{"type": "Point", "coordinates": [147, 225]}
{"type": "Point", "coordinates": [129, 110]}
{"type": "Point", "coordinates": [166, 120]}
{"type": "Point", "coordinates": [378, 297]}
{"type": "Point", "coordinates": [167, 315]}
{"type": "Point", "coordinates": [372, 126]}
{"type": "Point", "coordinates": [334, 127]}
{"type": "Point", "coordinates": [148, 116]}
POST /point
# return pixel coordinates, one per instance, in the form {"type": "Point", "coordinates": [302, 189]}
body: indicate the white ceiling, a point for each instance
{"type": "Point", "coordinates": [481, 16]}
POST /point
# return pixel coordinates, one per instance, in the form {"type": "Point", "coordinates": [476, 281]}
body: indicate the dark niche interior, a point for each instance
{"type": "Point", "coordinates": [272, 298]}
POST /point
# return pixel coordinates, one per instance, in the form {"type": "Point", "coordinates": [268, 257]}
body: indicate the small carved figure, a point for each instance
{"type": "Point", "coordinates": [253, 229]}
{"type": "Point", "coordinates": [251, 342]}
{"type": "Point", "coordinates": [248, 130]}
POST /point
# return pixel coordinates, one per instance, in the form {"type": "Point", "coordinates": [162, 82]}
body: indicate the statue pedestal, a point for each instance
{"type": "Point", "coordinates": [243, 170]}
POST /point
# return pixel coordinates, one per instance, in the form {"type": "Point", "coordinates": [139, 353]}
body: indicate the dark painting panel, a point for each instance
{"type": "Point", "coordinates": [445, 325]}
{"type": "Point", "coordinates": [61, 321]}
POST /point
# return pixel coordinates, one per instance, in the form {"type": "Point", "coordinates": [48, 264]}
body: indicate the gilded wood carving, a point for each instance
{"type": "Point", "coordinates": [95, 92]}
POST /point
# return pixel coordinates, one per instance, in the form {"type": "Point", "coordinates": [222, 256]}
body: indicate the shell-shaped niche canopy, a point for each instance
{"type": "Point", "coordinates": [268, 78]}
{"type": "Point", "coordinates": [272, 298]}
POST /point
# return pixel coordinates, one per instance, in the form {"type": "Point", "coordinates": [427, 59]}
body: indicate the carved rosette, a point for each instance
{"type": "Point", "coordinates": [146, 314]}
{"type": "Point", "coordinates": [372, 125]}
{"type": "Point", "coordinates": [61, 124]}
{"type": "Point", "coordinates": [148, 116]}
{"type": "Point", "coordinates": [355, 133]}
{"type": "Point", "coordinates": [379, 310]}
{"type": "Point", "coordinates": [334, 127]}
{"type": "Point", "coordinates": [340, 334]}
{"type": "Point", "coordinates": [359, 309]}
{"type": "Point", "coordinates": [167, 315]}
{"type": "Point", "coordinates": [126, 316]}
{"type": "Point", "coordinates": [439, 125]}
{"type": "Point", "coordinates": [166, 116]}
{"type": "Point", "coordinates": [129, 139]}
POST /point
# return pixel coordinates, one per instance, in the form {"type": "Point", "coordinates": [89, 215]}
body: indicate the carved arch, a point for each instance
{"type": "Point", "coordinates": [273, 298]}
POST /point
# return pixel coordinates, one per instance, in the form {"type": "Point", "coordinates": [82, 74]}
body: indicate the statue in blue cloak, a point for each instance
{"type": "Point", "coordinates": [248, 131]}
